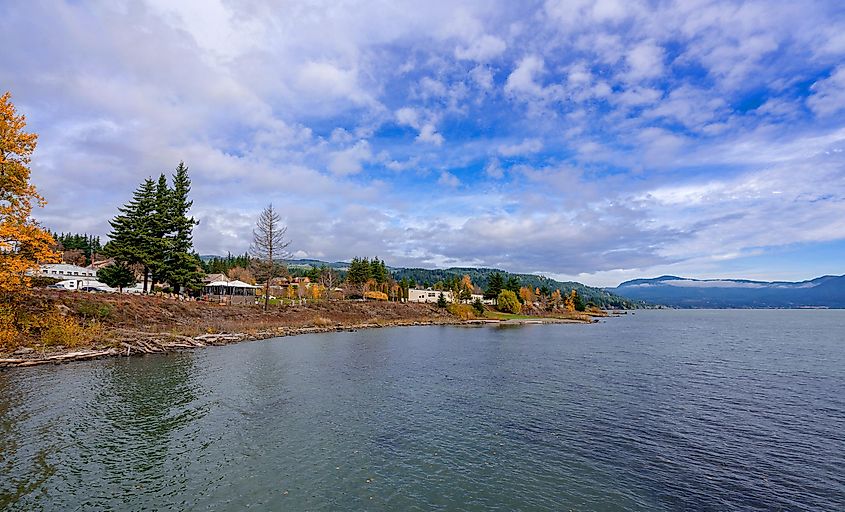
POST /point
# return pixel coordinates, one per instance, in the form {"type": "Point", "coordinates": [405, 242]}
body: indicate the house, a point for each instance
{"type": "Point", "coordinates": [66, 271]}
{"type": "Point", "coordinates": [427, 295]}
{"type": "Point", "coordinates": [478, 296]}
{"type": "Point", "coordinates": [230, 292]}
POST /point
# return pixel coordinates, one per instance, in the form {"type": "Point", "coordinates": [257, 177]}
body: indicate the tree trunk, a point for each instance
{"type": "Point", "coordinates": [146, 278]}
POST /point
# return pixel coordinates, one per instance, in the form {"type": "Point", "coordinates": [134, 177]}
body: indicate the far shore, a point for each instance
{"type": "Point", "coordinates": [125, 326]}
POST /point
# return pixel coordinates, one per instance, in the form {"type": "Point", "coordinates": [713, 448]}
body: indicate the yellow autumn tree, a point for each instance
{"type": "Point", "coordinates": [23, 243]}
{"type": "Point", "coordinates": [569, 302]}
{"type": "Point", "coordinates": [316, 291]}
{"type": "Point", "coordinates": [527, 295]}
{"type": "Point", "coordinates": [556, 298]}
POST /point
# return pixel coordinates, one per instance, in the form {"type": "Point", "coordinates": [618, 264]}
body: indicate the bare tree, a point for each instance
{"type": "Point", "coordinates": [329, 280]}
{"type": "Point", "coordinates": [269, 245]}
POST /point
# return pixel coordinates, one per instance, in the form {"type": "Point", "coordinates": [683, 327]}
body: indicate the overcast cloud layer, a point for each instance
{"type": "Point", "coordinates": [597, 141]}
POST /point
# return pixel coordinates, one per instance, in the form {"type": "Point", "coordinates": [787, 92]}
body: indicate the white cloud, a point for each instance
{"type": "Point", "coordinates": [482, 76]}
{"type": "Point", "coordinates": [522, 80]}
{"type": "Point", "coordinates": [524, 147]}
{"type": "Point", "coordinates": [482, 49]}
{"type": "Point", "coordinates": [428, 133]}
{"type": "Point", "coordinates": [645, 61]}
{"type": "Point", "coordinates": [350, 160]}
{"type": "Point", "coordinates": [494, 169]}
{"type": "Point", "coordinates": [448, 179]}
{"type": "Point", "coordinates": [828, 96]}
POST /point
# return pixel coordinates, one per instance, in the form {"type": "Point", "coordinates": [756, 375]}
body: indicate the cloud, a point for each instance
{"type": "Point", "coordinates": [350, 160]}
{"type": "Point", "coordinates": [482, 50]}
{"type": "Point", "coordinates": [524, 147]}
{"type": "Point", "coordinates": [645, 60]}
{"type": "Point", "coordinates": [522, 80]}
{"type": "Point", "coordinates": [448, 179]}
{"type": "Point", "coordinates": [828, 95]}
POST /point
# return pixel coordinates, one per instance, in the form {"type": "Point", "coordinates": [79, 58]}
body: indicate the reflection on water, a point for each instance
{"type": "Point", "coordinates": [695, 410]}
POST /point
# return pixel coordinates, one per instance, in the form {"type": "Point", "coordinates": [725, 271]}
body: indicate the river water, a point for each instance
{"type": "Point", "coordinates": [660, 410]}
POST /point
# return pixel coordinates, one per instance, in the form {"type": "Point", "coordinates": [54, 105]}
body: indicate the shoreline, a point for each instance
{"type": "Point", "coordinates": [85, 326]}
{"type": "Point", "coordinates": [129, 343]}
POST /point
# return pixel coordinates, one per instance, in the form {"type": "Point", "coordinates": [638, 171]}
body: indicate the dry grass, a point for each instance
{"type": "Point", "coordinates": [321, 321]}
{"type": "Point", "coordinates": [98, 315]}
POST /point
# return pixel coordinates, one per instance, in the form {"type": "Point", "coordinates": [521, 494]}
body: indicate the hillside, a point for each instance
{"type": "Point", "coordinates": [825, 291]}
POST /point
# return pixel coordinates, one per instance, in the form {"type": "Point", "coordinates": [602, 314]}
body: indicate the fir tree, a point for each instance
{"type": "Point", "coordinates": [182, 266]}
{"type": "Point", "coordinates": [495, 286]}
{"type": "Point", "coordinates": [132, 230]}
{"type": "Point", "coordinates": [118, 275]}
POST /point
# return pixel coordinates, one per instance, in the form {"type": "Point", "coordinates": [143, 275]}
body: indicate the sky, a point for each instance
{"type": "Point", "coordinates": [592, 141]}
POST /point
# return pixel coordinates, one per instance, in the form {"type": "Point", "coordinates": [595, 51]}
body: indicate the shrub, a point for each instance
{"type": "Point", "coordinates": [94, 311]}
{"type": "Point", "coordinates": [376, 295]}
{"type": "Point", "coordinates": [58, 329]}
{"type": "Point", "coordinates": [478, 306]}
{"type": "Point", "coordinates": [322, 321]}
{"type": "Point", "coordinates": [462, 311]}
{"type": "Point", "coordinates": [508, 302]}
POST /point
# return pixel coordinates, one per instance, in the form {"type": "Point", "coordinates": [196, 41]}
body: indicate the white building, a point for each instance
{"type": "Point", "coordinates": [478, 296]}
{"type": "Point", "coordinates": [84, 284]}
{"type": "Point", "coordinates": [427, 295]}
{"type": "Point", "coordinates": [66, 271]}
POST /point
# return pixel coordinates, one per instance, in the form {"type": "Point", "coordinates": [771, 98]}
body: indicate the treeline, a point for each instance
{"type": "Point", "coordinates": [222, 265]}
{"type": "Point", "coordinates": [154, 233]}
{"type": "Point", "coordinates": [424, 278]}
{"type": "Point", "coordinates": [76, 248]}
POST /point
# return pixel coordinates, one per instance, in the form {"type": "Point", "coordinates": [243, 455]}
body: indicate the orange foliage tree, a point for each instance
{"type": "Point", "coordinates": [23, 243]}
{"type": "Point", "coordinates": [527, 295]}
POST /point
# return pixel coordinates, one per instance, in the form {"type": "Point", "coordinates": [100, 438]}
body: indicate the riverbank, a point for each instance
{"type": "Point", "coordinates": [83, 326]}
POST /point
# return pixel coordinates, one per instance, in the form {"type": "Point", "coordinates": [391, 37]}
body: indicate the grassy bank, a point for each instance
{"type": "Point", "coordinates": [58, 326]}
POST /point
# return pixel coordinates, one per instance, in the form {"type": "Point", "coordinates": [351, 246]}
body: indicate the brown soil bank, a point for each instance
{"type": "Point", "coordinates": [89, 325]}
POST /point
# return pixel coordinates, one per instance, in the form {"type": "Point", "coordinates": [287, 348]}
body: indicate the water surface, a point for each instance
{"type": "Point", "coordinates": [661, 410]}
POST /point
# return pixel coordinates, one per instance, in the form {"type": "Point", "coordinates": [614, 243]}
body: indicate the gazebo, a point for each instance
{"type": "Point", "coordinates": [230, 292]}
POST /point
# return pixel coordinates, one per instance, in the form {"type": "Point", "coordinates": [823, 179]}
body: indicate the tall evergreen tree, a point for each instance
{"type": "Point", "coordinates": [495, 286]}
{"type": "Point", "coordinates": [132, 230]}
{"type": "Point", "coordinates": [182, 266]}
{"type": "Point", "coordinates": [155, 231]}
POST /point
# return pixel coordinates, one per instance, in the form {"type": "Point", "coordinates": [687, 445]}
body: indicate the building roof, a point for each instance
{"type": "Point", "coordinates": [231, 284]}
{"type": "Point", "coordinates": [65, 267]}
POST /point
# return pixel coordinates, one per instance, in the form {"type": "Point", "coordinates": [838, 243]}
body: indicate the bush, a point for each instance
{"type": "Point", "coordinates": [478, 306]}
{"type": "Point", "coordinates": [322, 321]}
{"type": "Point", "coordinates": [508, 302]}
{"type": "Point", "coordinates": [462, 311]}
{"type": "Point", "coordinates": [376, 295]}
{"type": "Point", "coordinates": [63, 330]}
{"type": "Point", "coordinates": [94, 311]}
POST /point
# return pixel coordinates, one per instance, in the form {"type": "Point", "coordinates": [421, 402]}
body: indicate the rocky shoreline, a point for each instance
{"type": "Point", "coordinates": [128, 343]}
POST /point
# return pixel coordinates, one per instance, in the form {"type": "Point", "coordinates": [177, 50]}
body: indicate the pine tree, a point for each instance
{"type": "Point", "coordinates": [182, 267]}
{"type": "Point", "coordinates": [160, 226]}
{"type": "Point", "coordinates": [132, 230]}
{"type": "Point", "coordinates": [118, 275]}
{"type": "Point", "coordinates": [494, 286]}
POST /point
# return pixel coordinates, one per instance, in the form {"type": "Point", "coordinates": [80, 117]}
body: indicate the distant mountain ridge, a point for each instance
{"type": "Point", "coordinates": [826, 291]}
